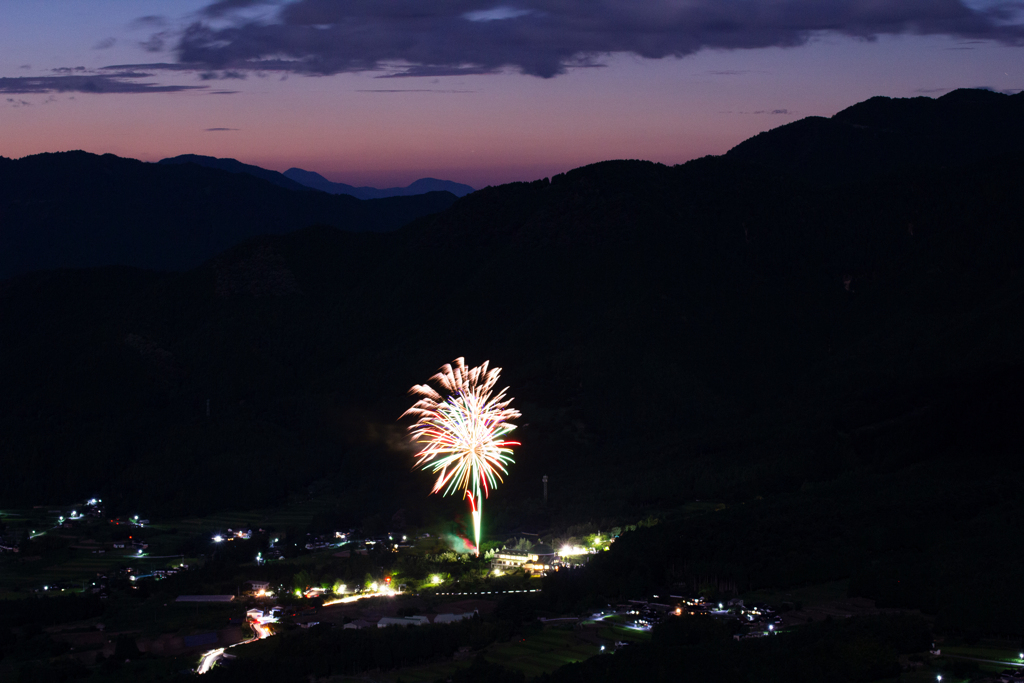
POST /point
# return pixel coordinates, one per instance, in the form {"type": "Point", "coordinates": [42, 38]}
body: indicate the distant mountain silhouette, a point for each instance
{"type": "Point", "coordinates": [883, 136]}
{"type": "Point", "coordinates": [235, 166]}
{"type": "Point", "coordinates": [318, 182]}
{"type": "Point", "coordinates": [75, 210]}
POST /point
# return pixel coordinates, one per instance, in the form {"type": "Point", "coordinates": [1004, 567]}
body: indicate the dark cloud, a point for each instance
{"type": "Point", "coordinates": [545, 37]}
{"type": "Point", "coordinates": [87, 83]}
{"type": "Point", "coordinates": [223, 7]}
{"type": "Point", "coordinates": [18, 103]}
{"type": "Point", "coordinates": [1004, 91]}
{"type": "Point", "coordinates": [221, 75]}
{"type": "Point", "coordinates": [105, 44]}
{"type": "Point", "coordinates": [155, 43]}
{"type": "Point", "coordinates": [150, 21]}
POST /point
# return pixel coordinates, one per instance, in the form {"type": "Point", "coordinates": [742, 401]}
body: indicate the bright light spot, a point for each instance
{"type": "Point", "coordinates": [771, 627]}
{"type": "Point", "coordinates": [218, 539]}
{"type": "Point", "coordinates": [133, 578]}
{"type": "Point", "coordinates": [298, 593]}
{"type": "Point", "coordinates": [602, 648]}
{"type": "Point", "coordinates": [374, 586]}
{"type": "Point", "coordinates": [136, 516]}
{"type": "Point", "coordinates": [570, 550]}
{"type": "Point", "coordinates": [435, 579]}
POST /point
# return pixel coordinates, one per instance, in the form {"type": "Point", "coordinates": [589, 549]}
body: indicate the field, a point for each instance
{"type": "Point", "coordinates": [540, 652]}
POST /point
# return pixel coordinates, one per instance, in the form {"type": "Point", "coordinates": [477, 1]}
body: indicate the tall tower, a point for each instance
{"type": "Point", "coordinates": [545, 480]}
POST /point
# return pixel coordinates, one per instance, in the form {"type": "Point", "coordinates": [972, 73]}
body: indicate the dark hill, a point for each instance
{"type": "Point", "coordinates": [882, 136]}
{"type": "Point", "coordinates": [75, 209]}
{"type": "Point", "coordinates": [235, 166]}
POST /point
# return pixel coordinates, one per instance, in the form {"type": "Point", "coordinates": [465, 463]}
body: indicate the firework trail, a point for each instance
{"type": "Point", "coordinates": [462, 433]}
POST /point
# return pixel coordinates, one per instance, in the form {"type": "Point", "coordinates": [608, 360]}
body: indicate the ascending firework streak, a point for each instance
{"type": "Point", "coordinates": [463, 433]}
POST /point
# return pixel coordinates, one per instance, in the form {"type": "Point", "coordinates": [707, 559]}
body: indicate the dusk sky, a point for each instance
{"type": "Point", "coordinates": [382, 92]}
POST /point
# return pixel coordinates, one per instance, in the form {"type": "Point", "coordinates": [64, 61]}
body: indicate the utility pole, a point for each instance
{"type": "Point", "coordinates": [545, 480]}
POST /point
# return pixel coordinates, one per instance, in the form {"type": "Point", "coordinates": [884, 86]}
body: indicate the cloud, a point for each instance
{"type": "Point", "coordinates": [149, 22]}
{"type": "Point", "coordinates": [18, 103]}
{"type": "Point", "coordinates": [546, 37]}
{"type": "Point", "coordinates": [155, 43]}
{"type": "Point", "coordinates": [105, 44]}
{"type": "Point", "coordinates": [119, 83]}
{"type": "Point", "coordinates": [223, 7]}
{"type": "Point", "coordinates": [217, 130]}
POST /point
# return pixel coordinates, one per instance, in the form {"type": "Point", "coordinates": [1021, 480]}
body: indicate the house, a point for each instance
{"type": "Point", "coordinates": [258, 587]}
{"type": "Point", "coordinates": [512, 559]}
{"type": "Point", "coordinates": [358, 623]}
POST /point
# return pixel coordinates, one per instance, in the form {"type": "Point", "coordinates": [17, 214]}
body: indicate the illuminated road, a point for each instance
{"type": "Point", "coordinates": [210, 658]}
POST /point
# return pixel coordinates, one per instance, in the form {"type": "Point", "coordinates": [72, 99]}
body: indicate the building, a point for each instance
{"type": "Point", "coordinates": [512, 559]}
{"type": "Point", "coordinates": [358, 624]}
{"type": "Point", "coordinates": [532, 562]}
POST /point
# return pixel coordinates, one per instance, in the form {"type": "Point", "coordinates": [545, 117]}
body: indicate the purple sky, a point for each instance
{"type": "Point", "coordinates": [381, 92]}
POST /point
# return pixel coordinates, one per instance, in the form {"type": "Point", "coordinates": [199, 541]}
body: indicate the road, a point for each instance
{"type": "Point", "coordinates": [208, 659]}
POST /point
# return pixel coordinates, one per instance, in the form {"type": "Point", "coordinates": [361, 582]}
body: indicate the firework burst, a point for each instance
{"type": "Point", "coordinates": [462, 432]}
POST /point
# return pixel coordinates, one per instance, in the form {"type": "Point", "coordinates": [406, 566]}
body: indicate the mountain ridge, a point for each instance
{"type": "Point", "coordinates": [885, 135]}
{"type": "Point", "coordinates": [316, 181]}
{"type": "Point", "coordinates": [76, 209]}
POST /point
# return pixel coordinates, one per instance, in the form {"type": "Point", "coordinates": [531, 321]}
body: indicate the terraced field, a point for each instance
{"type": "Point", "coordinates": [540, 652]}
